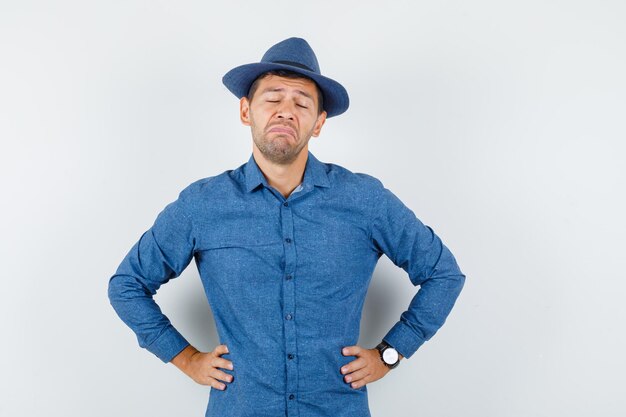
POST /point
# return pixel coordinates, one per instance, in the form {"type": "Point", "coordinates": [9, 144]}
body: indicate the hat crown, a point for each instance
{"type": "Point", "coordinates": [293, 51]}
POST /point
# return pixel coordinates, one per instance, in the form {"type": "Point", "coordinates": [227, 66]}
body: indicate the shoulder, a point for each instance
{"type": "Point", "coordinates": [357, 181]}
{"type": "Point", "coordinates": [202, 188]}
{"type": "Point", "coordinates": [197, 188]}
{"type": "Point", "coordinates": [369, 190]}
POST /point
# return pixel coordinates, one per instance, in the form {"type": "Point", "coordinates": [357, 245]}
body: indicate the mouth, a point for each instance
{"type": "Point", "coordinates": [283, 129]}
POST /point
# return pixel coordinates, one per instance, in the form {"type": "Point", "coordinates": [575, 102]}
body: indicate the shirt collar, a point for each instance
{"type": "Point", "coordinates": [314, 174]}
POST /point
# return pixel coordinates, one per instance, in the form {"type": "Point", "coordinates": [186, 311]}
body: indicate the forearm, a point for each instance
{"type": "Point", "coordinates": [430, 306]}
{"type": "Point", "coordinates": [138, 310]}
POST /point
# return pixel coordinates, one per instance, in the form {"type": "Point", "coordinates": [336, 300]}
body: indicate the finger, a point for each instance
{"type": "Point", "coordinates": [355, 365]}
{"type": "Point", "coordinates": [215, 383]}
{"type": "Point", "coordinates": [220, 350]}
{"type": "Point", "coordinates": [361, 382]}
{"type": "Point", "coordinates": [221, 375]}
{"type": "Point", "coordinates": [351, 350]}
{"type": "Point", "coordinates": [357, 376]}
{"type": "Point", "coordinates": [220, 362]}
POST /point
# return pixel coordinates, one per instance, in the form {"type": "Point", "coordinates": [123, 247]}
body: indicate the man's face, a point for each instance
{"type": "Point", "coordinates": [282, 116]}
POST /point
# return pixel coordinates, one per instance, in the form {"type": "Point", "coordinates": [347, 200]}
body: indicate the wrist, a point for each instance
{"type": "Point", "coordinates": [183, 359]}
{"type": "Point", "coordinates": [388, 355]}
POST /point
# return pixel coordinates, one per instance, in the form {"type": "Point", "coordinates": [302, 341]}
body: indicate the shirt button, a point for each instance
{"type": "Point", "coordinates": [290, 356]}
{"type": "Point", "coordinates": [291, 396]}
{"type": "Point", "coordinates": [288, 316]}
{"type": "Point", "coordinates": [288, 240]}
{"type": "Point", "coordinates": [286, 204]}
{"type": "Point", "coordinates": [288, 277]}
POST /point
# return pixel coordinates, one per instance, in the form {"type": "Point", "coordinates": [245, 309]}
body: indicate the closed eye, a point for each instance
{"type": "Point", "coordinates": [276, 101]}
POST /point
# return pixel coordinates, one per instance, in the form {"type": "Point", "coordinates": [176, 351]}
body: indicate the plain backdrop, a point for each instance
{"type": "Point", "coordinates": [499, 123]}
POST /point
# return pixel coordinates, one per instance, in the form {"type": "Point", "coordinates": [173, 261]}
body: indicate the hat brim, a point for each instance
{"type": "Point", "coordinates": [239, 79]}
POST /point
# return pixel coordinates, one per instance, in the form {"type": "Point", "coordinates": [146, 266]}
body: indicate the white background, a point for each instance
{"type": "Point", "coordinates": [501, 124]}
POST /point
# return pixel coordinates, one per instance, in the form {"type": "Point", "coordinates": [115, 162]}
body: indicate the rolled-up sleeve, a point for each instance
{"type": "Point", "coordinates": [415, 247]}
{"type": "Point", "coordinates": [162, 253]}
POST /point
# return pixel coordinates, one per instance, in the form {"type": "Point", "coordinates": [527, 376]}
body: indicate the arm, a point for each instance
{"type": "Point", "coordinates": [162, 253]}
{"type": "Point", "coordinates": [414, 247]}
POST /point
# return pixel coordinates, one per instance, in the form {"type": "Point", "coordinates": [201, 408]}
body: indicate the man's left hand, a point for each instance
{"type": "Point", "coordinates": [367, 367]}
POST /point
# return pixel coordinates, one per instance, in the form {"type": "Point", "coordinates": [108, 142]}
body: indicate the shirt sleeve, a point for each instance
{"type": "Point", "coordinates": [415, 247]}
{"type": "Point", "coordinates": [161, 253]}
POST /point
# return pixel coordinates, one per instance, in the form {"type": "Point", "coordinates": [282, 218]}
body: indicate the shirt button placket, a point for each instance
{"type": "Point", "coordinates": [289, 303]}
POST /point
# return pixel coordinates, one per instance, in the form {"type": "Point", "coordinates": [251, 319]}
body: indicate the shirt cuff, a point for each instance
{"type": "Point", "coordinates": [403, 339]}
{"type": "Point", "coordinates": [169, 344]}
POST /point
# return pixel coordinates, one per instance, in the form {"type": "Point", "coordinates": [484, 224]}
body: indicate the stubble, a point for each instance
{"type": "Point", "coordinates": [279, 148]}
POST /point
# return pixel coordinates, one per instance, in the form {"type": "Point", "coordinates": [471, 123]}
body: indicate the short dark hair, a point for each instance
{"type": "Point", "coordinates": [287, 74]}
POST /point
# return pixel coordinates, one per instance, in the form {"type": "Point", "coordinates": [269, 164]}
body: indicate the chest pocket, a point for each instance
{"type": "Point", "coordinates": [240, 252]}
{"type": "Point", "coordinates": [239, 230]}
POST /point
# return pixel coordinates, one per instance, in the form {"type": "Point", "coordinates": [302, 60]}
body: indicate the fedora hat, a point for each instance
{"type": "Point", "coordinates": [293, 54]}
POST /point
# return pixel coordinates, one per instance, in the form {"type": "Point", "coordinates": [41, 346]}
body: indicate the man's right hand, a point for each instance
{"type": "Point", "coordinates": [204, 367]}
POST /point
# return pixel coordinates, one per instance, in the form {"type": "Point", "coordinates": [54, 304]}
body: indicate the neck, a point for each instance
{"type": "Point", "coordinates": [284, 178]}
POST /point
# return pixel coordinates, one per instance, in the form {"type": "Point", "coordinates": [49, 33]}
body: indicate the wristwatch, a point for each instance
{"type": "Point", "coordinates": [388, 354]}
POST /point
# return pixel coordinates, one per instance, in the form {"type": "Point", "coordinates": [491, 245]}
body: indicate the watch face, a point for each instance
{"type": "Point", "coordinates": [390, 356]}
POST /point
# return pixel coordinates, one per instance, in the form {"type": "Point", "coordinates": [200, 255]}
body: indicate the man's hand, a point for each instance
{"type": "Point", "coordinates": [368, 367]}
{"type": "Point", "coordinates": [204, 367]}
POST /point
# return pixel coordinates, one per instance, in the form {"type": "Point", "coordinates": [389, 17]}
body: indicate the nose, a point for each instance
{"type": "Point", "coordinates": [286, 110]}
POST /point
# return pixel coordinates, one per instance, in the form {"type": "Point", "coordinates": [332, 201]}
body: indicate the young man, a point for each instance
{"type": "Point", "coordinates": [286, 246]}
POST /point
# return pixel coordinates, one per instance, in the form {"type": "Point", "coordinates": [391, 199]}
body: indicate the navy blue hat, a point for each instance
{"type": "Point", "coordinates": [293, 54]}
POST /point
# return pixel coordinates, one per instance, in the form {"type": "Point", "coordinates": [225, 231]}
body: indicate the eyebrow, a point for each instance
{"type": "Point", "coordinates": [279, 89]}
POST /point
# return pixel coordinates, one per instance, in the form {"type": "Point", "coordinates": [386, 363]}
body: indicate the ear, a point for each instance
{"type": "Point", "coordinates": [319, 123]}
{"type": "Point", "coordinates": [244, 111]}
